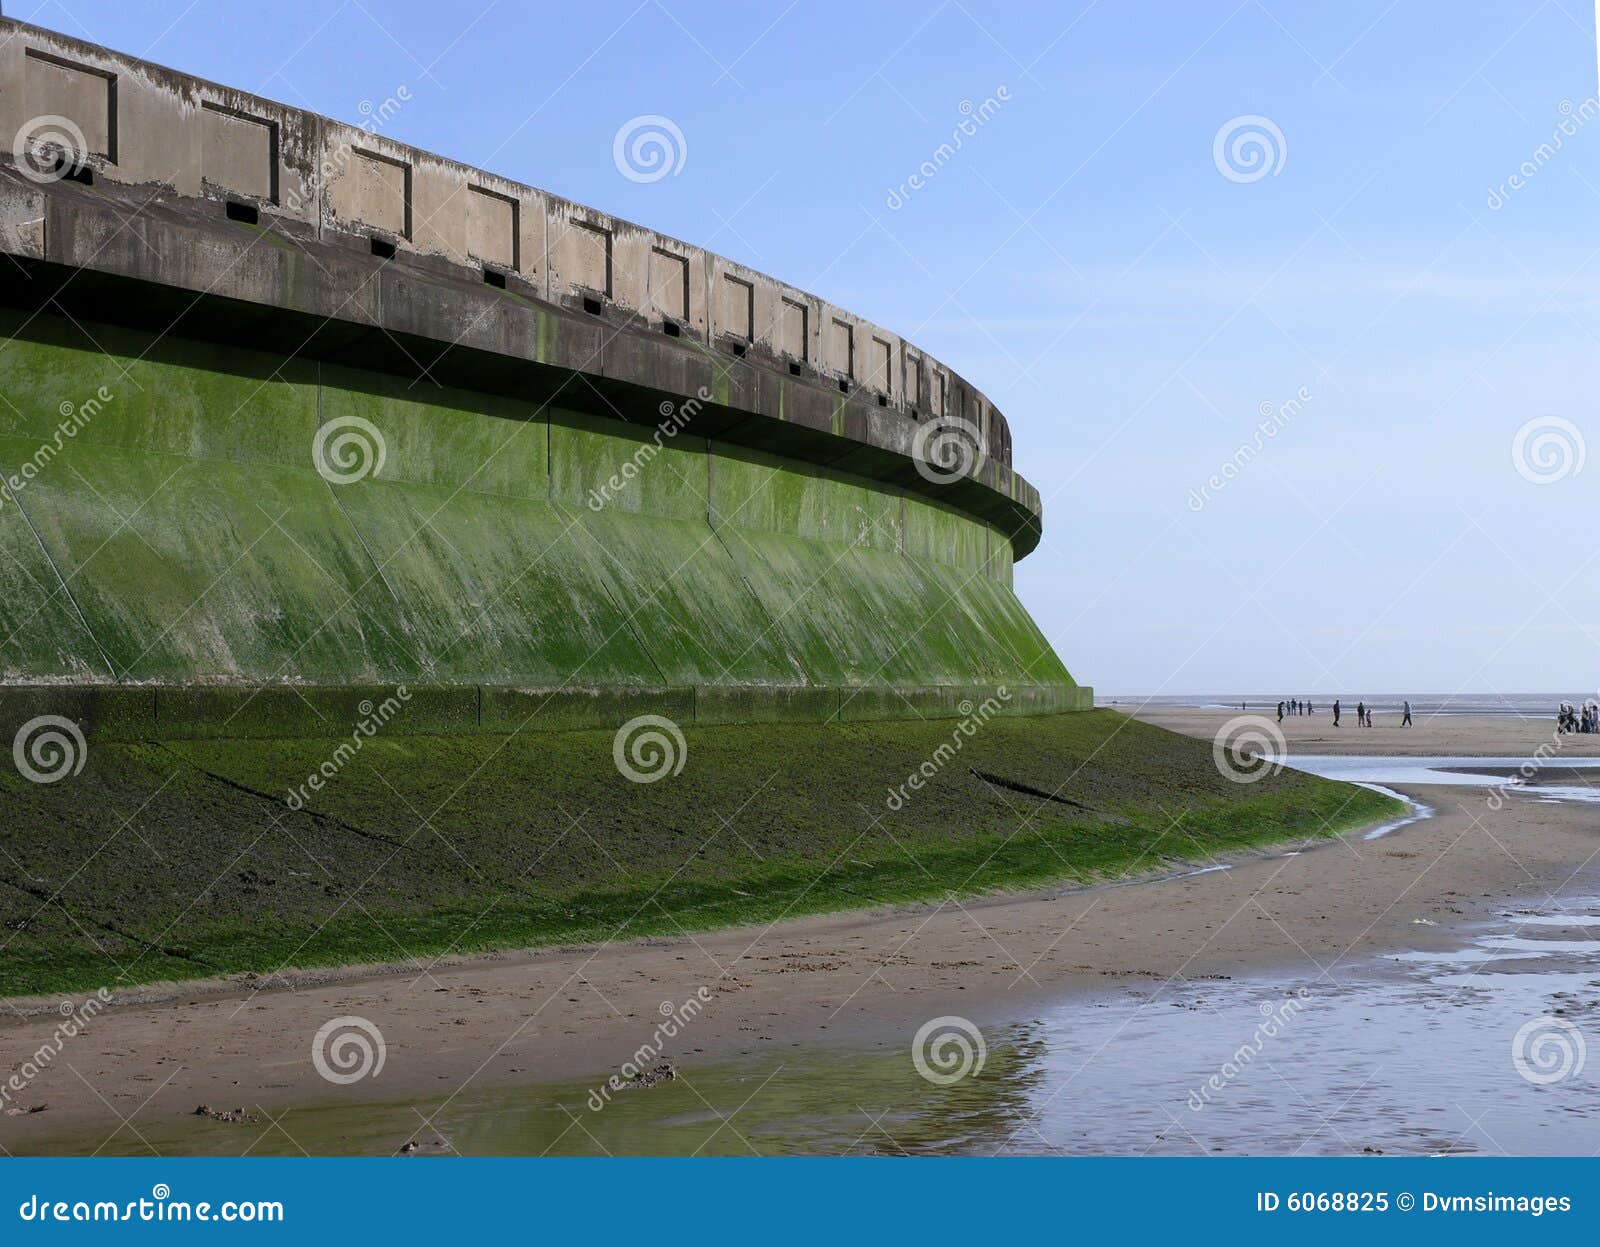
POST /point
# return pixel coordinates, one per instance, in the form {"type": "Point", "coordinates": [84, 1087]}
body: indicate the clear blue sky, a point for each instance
{"type": "Point", "coordinates": [1083, 261]}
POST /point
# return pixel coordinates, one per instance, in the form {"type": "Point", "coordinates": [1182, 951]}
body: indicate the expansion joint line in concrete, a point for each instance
{"type": "Point", "coordinates": [738, 570]}
{"type": "Point", "coordinates": [361, 540]}
{"type": "Point", "coordinates": [627, 615]}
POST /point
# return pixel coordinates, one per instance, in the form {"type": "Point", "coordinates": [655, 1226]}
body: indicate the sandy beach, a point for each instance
{"type": "Point", "coordinates": [1442, 734]}
{"type": "Point", "coordinates": [867, 977]}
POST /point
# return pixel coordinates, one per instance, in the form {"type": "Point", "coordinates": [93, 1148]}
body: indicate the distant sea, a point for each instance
{"type": "Point", "coordinates": [1509, 705]}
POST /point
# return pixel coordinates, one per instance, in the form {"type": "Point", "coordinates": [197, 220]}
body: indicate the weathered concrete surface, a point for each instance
{"type": "Point", "coordinates": [167, 154]}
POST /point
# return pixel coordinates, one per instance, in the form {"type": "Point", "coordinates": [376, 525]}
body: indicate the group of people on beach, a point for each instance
{"type": "Point", "coordinates": [1570, 718]}
{"type": "Point", "coordinates": [1295, 705]}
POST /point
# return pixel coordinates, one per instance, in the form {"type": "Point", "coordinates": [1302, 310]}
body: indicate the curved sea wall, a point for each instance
{"type": "Point", "coordinates": [296, 416]}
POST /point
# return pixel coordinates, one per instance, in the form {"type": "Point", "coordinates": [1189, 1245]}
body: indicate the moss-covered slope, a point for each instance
{"type": "Point", "coordinates": [183, 859]}
{"type": "Point", "coordinates": [181, 533]}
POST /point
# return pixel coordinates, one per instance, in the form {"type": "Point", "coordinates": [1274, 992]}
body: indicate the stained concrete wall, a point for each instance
{"type": "Point", "coordinates": [178, 566]}
{"type": "Point", "coordinates": [143, 124]}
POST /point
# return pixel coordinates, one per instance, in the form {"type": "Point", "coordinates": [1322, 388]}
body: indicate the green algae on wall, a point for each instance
{"type": "Point", "coordinates": [184, 535]}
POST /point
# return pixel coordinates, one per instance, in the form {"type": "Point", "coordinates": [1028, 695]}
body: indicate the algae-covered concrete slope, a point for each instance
{"type": "Point", "coordinates": [184, 533]}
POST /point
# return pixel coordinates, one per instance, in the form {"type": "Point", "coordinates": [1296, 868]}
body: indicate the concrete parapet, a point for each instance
{"type": "Point", "coordinates": [101, 120]}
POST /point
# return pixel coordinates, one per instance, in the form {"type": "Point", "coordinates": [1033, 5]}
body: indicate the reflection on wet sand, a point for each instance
{"type": "Point", "coordinates": [1478, 1048]}
{"type": "Point", "coordinates": [814, 1102]}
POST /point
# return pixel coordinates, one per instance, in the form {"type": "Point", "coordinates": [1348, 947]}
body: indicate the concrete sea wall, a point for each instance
{"type": "Point", "coordinates": [295, 416]}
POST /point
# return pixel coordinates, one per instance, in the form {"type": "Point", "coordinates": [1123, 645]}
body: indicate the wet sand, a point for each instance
{"type": "Point", "coordinates": [472, 1024]}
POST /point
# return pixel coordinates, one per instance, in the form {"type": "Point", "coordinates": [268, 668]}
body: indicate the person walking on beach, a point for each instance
{"type": "Point", "coordinates": [1361, 714]}
{"type": "Point", "coordinates": [1336, 712]}
{"type": "Point", "coordinates": [1406, 722]}
{"type": "Point", "coordinates": [1280, 712]}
